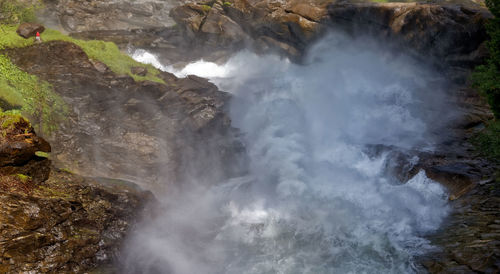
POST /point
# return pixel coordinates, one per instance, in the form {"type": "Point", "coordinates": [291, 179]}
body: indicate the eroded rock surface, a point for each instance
{"type": "Point", "coordinates": [145, 132]}
{"type": "Point", "coordinates": [52, 221]}
{"type": "Point", "coordinates": [74, 15]}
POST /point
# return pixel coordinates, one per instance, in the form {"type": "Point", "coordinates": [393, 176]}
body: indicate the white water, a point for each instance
{"type": "Point", "coordinates": [314, 201]}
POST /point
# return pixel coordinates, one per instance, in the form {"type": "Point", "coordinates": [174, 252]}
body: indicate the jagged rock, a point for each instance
{"type": "Point", "coordinates": [68, 224]}
{"type": "Point", "coordinates": [75, 15]}
{"type": "Point", "coordinates": [21, 168]}
{"type": "Point", "coordinates": [456, 177]}
{"type": "Point", "coordinates": [19, 143]}
{"type": "Point", "coordinates": [59, 223]}
{"type": "Point", "coordinates": [27, 30]}
{"type": "Point", "coordinates": [145, 132]}
{"type": "Point", "coordinates": [141, 71]}
{"type": "Point", "coordinates": [449, 35]}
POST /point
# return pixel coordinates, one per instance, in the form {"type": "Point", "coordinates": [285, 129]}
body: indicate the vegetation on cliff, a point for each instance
{"type": "Point", "coordinates": [31, 96]}
{"type": "Point", "coordinates": [14, 11]}
{"type": "Point", "coordinates": [27, 93]}
{"type": "Point", "coordinates": [487, 79]}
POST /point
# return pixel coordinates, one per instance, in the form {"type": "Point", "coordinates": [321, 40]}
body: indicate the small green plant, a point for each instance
{"type": "Point", "coordinates": [206, 8]}
{"type": "Point", "coordinates": [9, 119]}
{"type": "Point", "coordinates": [23, 178]}
{"type": "Point", "coordinates": [228, 4]}
{"type": "Point", "coordinates": [66, 170]}
{"type": "Point", "coordinates": [42, 154]}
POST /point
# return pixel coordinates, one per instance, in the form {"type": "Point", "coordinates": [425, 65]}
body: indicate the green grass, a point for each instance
{"type": "Point", "coordinates": [8, 119]}
{"type": "Point", "coordinates": [109, 54]}
{"type": "Point", "coordinates": [35, 97]}
{"type": "Point", "coordinates": [206, 8]}
{"type": "Point", "coordinates": [42, 154]}
{"type": "Point", "coordinates": [23, 178]}
{"type": "Point", "coordinates": [488, 141]}
{"type": "Point", "coordinates": [10, 39]}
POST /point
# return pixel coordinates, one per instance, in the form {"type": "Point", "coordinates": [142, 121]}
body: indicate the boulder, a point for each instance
{"type": "Point", "coordinates": [141, 71]}
{"type": "Point", "coordinates": [27, 30]}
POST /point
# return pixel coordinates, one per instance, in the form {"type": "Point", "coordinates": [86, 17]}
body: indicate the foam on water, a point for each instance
{"type": "Point", "coordinates": [314, 201]}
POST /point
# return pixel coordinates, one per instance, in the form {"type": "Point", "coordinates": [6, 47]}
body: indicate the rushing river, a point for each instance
{"type": "Point", "coordinates": [316, 200]}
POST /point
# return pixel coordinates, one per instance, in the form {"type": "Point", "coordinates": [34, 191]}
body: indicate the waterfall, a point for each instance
{"type": "Point", "coordinates": [316, 199]}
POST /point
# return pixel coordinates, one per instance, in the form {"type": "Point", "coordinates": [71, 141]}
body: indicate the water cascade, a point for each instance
{"type": "Point", "coordinates": [317, 198]}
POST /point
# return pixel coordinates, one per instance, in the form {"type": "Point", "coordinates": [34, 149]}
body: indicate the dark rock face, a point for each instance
{"type": "Point", "coordinates": [74, 15]}
{"type": "Point", "coordinates": [27, 30]}
{"type": "Point", "coordinates": [66, 225]}
{"type": "Point", "coordinates": [144, 132]}
{"type": "Point", "coordinates": [62, 223]}
{"type": "Point", "coordinates": [470, 240]}
{"type": "Point", "coordinates": [450, 36]}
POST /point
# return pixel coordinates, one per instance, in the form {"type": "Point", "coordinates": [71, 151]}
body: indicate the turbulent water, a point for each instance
{"type": "Point", "coordinates": [316, 199]}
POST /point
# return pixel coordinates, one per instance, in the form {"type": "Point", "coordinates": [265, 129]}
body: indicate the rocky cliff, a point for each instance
{"type": "Point", "coordinates": [145, 132]}
{"type": "Point", "coordinates": [52, 220]}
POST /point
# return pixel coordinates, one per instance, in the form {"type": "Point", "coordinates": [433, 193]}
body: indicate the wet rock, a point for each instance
{"type": "Point", "coordinates": [469, 242]}
{"type": "Point", "coordinates": [68, 224]}
{"type": "Point", "coordinates": [100, 66]}
{"type": "Point", "coordinates": [59, 223]}
{"type": "Point", "coordinates": [27, 30]}
{"type": "Point", "coordinates": [444, 33]}
{"type": "Point", "coordinates": [75, 15]}
{"type": "Point", "coordinates": [20, 164]}
{"type": "Point", "coordinates": [457, 177]}
{"type": "Point", "coordinates": [141, 71]}
{"type": "Point", "coordinates": [144, 132]}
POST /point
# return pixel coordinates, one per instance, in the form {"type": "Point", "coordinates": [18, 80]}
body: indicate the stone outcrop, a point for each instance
{"type": "Point", "coordinates": [74, 15]}
{"type": "Point", "coordinates": [21, 168]}
{"type": "Point", "coordinates": [469, 241]}
{"type": "Point", "coordinates": [145, 132]}
{"type": "Point", "coordinates": [451, 36]}
{"type": "Point", "coordinates": [52, 221]}
{"type": "Point", "coordinates": [27, 30]}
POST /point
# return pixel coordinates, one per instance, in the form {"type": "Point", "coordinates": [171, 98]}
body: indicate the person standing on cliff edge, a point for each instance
{"type": "Point", "coordinates": [38, 40]}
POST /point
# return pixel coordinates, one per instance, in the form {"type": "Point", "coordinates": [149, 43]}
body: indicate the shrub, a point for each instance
{"type": "Point", "coordinates": [14, 11]}
{"type": "Point", "coordinates": [487, 77]}
{"type": "Point", "coordinates": [488, 141]}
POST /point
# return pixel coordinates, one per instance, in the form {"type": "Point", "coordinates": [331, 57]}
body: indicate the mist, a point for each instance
{"type": "Point", "coordinates": [315, 198]}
